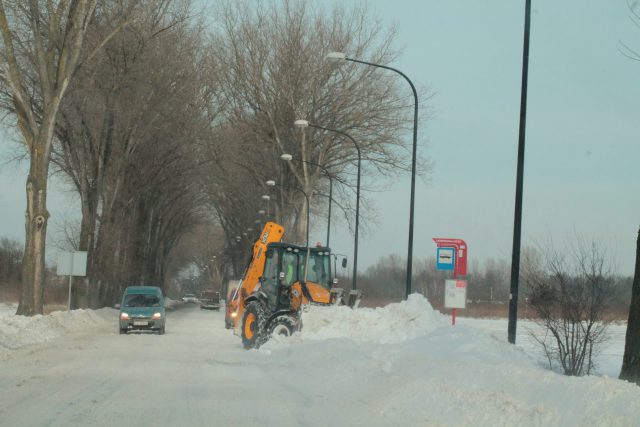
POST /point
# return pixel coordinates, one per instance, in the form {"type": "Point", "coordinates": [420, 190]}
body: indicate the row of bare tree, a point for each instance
{"type": "Point", "coordinates": [574, 294]}
{"type": "Point", "coordinates": [164, 118]}
{"type": "Point", "coordinates": [487, 282]}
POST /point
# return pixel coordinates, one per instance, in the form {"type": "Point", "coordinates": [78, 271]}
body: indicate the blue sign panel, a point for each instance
{"type": "Point", "coordinates": [445, 259]}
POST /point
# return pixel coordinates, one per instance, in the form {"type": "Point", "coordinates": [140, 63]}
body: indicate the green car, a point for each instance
{"type": "Point", "coordinates": [142, 308]}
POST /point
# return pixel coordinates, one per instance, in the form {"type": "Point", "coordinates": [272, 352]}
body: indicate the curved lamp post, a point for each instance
{"type": "Point", "coordinates": [288, 158]}
{"type": "Point", "coordinates": [304, 124]}
{"type": "Point", "coordinates": [340, 56]}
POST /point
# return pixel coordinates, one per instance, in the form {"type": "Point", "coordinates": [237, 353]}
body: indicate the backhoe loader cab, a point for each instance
{"type": "Point", "coordinates": [293, 276]}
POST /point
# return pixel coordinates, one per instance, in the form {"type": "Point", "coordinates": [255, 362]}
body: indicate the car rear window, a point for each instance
{"type": "Point", "coordinates": [141, 300]}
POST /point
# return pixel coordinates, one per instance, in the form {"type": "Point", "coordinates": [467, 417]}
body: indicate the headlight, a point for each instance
{"type": "Point", "coordinates": [124, 316]}
{"type": "Point", "coordinates": [234, 314]}
{"type": "Point", "coordinates": [157, 315]}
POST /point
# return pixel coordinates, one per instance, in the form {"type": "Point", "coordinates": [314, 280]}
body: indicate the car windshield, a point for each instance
{"type": "Point", "coordinates": [141, 300]}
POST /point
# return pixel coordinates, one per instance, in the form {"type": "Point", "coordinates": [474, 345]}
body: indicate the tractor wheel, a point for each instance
{"type": "Point", "coordinates": [283, 326]}
{"type": "Point", "coordinates": [253, 335]}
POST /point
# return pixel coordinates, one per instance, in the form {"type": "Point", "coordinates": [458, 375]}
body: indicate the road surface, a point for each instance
{"type": "Point", "coordinates": [197, 374]}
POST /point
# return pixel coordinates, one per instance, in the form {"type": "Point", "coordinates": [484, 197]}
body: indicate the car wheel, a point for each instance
{"type": "Point", "coordinates": [253, 335]}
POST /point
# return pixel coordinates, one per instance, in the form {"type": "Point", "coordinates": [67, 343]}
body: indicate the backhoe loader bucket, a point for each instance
{"type": "Point", "coordinates": [354, 298]}
{"type": "Point", "coordinates": [336, 295]}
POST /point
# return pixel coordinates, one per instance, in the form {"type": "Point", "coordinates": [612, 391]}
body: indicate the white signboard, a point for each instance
{"type": "Point", "coordinates": [455, 294]}
{"type": "Point", "coordinates": [72, 264]}
{"type": "Point", "coordinates": [446, 257]}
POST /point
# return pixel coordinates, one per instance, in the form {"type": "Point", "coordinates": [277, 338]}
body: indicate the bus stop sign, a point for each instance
{"type": "Point", "coordinates": [457, 250]}
{"type": "Point", "coordinates": [446, 259]}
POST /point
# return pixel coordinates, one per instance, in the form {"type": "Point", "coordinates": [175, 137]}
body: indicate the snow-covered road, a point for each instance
{"type": "Point", "coordinates": [402, 365]}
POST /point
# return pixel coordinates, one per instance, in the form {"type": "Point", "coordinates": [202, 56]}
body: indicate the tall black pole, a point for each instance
{"type": "Point", "coordinates": [355, 246]}
{"type": "Point", "coordinates": [413, 167]}
{"type": "Point", "coordinates": [517, 218]}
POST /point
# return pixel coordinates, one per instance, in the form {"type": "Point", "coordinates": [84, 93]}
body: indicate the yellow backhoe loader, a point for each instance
{"type": "Point", "coordinates": [280, 280]}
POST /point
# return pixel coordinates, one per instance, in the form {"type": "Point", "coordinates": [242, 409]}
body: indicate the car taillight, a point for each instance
{"type": "Point", "coordinates": [124, 316]}
{"type": "Point", "coordinates": [157, 315]}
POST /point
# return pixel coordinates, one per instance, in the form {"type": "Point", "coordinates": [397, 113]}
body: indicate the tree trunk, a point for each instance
{"type": "Point", "coordinates": [36, 218]}
{"type": "Point", "coordinates": [631, 359]}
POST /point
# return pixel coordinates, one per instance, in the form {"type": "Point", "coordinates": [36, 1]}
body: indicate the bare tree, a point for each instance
{"type": "Point", "coordinates": [273, 71]}
{"type": "Point", "coordinates": [570, 295]}
{"type": "Point", "coordinates": [41, 50]}
{"type": "Point", "coordinates": [631, 360]}
{"type": "Point", "coordinates": [129, 140]}
{"type": "Point", "coordinates": [634, 16]}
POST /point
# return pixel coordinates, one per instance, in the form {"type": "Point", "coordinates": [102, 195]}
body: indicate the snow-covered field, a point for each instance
{"type": "Point", "coordinates": [402, 364]}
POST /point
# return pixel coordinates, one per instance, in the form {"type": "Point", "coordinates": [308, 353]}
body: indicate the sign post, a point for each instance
{"type": "Point", "coordinates": [452, 256]}
{"type": "Point", "coordinates": [72, 264]}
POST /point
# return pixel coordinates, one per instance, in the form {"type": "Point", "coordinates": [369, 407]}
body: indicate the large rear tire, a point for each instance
{"type": "Point", "coordinates": [253, 334]}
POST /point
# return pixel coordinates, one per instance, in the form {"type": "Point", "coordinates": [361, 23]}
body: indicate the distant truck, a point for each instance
{"type": "Point", "coordinates": [210, 299]}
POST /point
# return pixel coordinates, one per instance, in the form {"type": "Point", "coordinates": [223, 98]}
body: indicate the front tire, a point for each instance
{"type": "Point", "coordinates": [253, 335]}
{"type": "Point", "coordinates": [283, 326]}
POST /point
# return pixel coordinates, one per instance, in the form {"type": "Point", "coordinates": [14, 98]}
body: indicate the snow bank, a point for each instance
{"type": "Point", "coordinates": [7, 309]}
{"type": "Point", "coordinates": [394, 323]}
{"type": "Point", "coordinates": [404, 364]}
{"type": "Point", "coordinates": [171, 304]}
{"type": "Point", "coordinates": [20, 331]}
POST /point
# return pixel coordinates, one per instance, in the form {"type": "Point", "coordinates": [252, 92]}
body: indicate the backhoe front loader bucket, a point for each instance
{"type": "Point", "coordinates": [354, 298]}
{"type": "Point", "coordinates": [336, 295]}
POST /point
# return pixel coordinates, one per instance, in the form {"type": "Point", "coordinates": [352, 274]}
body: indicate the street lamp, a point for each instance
{"type": "Point", "coordinates": [288, 158]}
{"type": "Point", "coordinates": [272, 183]}
{"type": "Point", "coordinates": [267, 198]}
{"type": "Point", "coordinates": [304, 124]}
{"type": "Point", "coordinates": [517, 216]}
{"type": "Point", "coordinates": [340, 56]}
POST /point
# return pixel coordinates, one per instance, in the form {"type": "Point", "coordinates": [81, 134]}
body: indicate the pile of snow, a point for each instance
{"type": "Point", "coordinates": [171, 304]}
{"type": "Point", "coordinates": [393, 323]}
{"type": "Point", "coordinates": [20, 331]}
{"type": "Point", "coordinates": [405, 364]}
{"type": "Point", "coordinates": [7, 309]}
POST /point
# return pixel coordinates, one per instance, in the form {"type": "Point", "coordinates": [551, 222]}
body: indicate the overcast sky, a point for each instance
{"type": "Point", "coordinates": [582, 144]}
